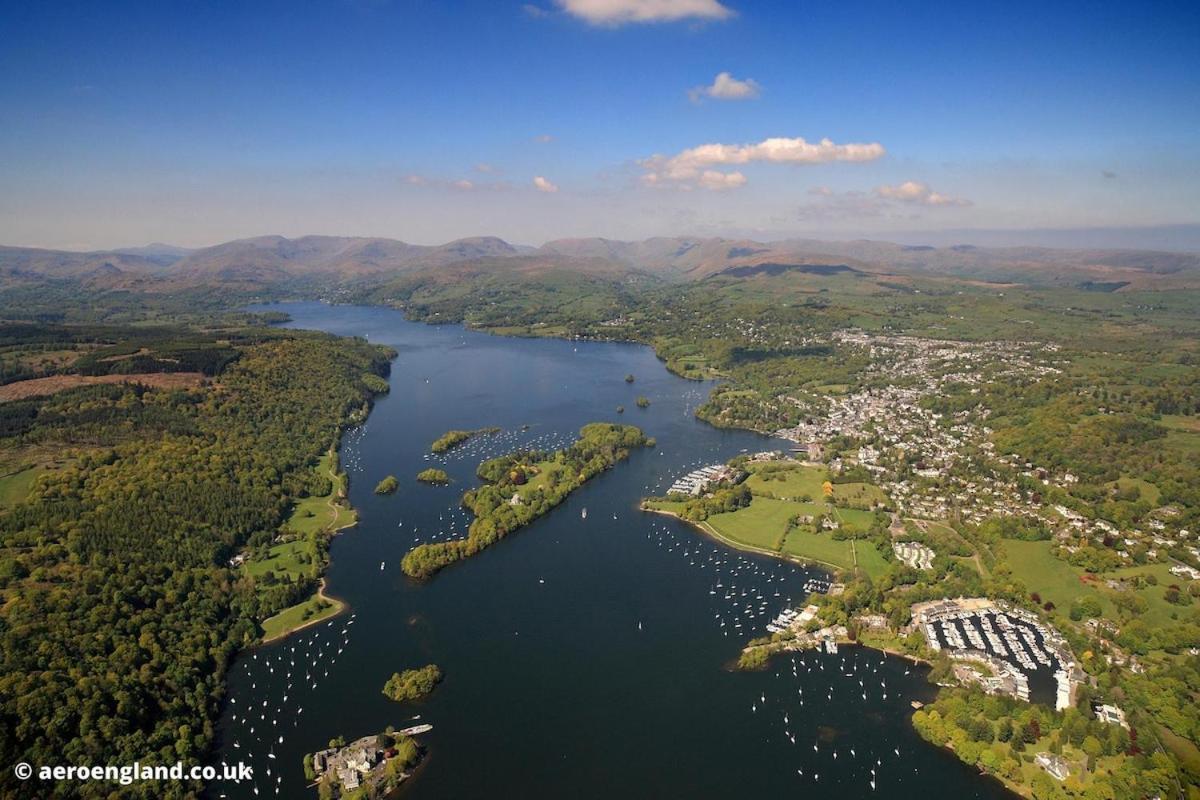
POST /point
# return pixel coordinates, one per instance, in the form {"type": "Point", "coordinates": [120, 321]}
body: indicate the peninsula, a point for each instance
{"type": "Point", "coordinates": [451, 439]}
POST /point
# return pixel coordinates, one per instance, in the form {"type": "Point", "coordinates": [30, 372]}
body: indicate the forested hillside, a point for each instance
{"type": "Point", "coordinates": [119, 614]}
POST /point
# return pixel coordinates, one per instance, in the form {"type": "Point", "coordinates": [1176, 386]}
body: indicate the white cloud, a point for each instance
{"type": "Point", "coordinates": [543, 138]}
{"type": "Point", "coordinates": [726, 87]}
{"type": "Point", "coordinates": [620, 12]}
{"type": "Point", "coordinates": [918, 193]}
{"type": "Point", "coordinates": [485, 168]}
{"type": "Point", "coordinates": [543, 185]}
{"type": "Point", "coordinates": [694, 166]}
{"type": "Point", "coordinates": [465, 185]}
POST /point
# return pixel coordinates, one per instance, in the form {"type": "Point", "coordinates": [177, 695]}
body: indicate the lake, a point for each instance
{"type": "Point", "coordinates": [584, 658]}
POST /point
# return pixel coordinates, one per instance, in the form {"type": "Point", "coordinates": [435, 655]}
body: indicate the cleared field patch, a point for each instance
{"type": "Point", "coordinates": [1149, 492]}
{"type": "Point", "coordinates": [14, 487]}
{"type": "Point", "coordinates": [41, 387]}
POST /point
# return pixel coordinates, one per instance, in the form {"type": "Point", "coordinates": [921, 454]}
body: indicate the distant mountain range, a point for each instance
{"type": "Point", "coordinates": [275, 262]}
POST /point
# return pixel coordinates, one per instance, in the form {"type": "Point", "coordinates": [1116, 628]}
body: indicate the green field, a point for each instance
{"type": "Point", "coordinates": [323, 513]}
{"type": "Point", "coordinates": [1053, 579]}
{"type": "Point", "coordinates": [305, 613]}
{"type": "Point", "coordinates": [854, 519]}
{"type": "Point", "coordinates": [841, 553]}
{"type": "Point", "coordinates": [1059, 582]}
{"type": "Point", "coordinates": [796, 482]}
{"type": "Point", "coordinates": [15, 487]}
{"type": "Point", "coordinates": [859, 495]}
{"type": "Point", "coordinates": [764, 523]}
{"type": "Point", "coordinates": [761, 524]}
{"type": "Point", "coordinates": [1159, 611]}
{"type": "Point", "coordinates": [284, 559]}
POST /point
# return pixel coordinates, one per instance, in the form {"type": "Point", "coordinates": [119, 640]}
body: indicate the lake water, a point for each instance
{"type": "Point", "coordinates": [584, 658]}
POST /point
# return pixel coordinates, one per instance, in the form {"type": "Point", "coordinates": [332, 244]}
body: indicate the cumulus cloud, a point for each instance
{"type": "Point", "coordinates": [620, 12]}
{"type": "Point", "coordinates": [918, 193]}
{"type": "Point", "coordinates": [543, 138]}
{"type": "Point", "coordinates": [694, 167]}
{"type": "Point", "coordinates": [726, 87]}
{"type": "Point", "coordinates": [464, 184]}
{"type": "Point", "coordinates": [543, 185]}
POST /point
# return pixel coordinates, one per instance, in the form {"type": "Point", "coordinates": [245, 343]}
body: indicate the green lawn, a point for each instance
{"type": "Point", "coordinates": [284, 559]}
{"type": "Point", "coordinates": [1057, 581]}
{"type": "Point", "coordinates": [14, 488]}
{"type": "Point", "coordinates": [1159, 610]}
{"type": "Point", "coordinates": [315, 514]}
{"type": "Point", "coordinates": [1149, 491]}
{"type": "Point", "coordinates": [761, 524]}
{"type": "Point", "coordinates": [764, 524]}
{"type": "Point", "coordinates": [859, 495]}
{"type": "Point", "coordinates": [304, 613]}
{"type": "Point", "coordinates": [797, 481]}
{"type": "Point", "coordinates": [1053, 579]}
{"type": "Point", "coordinates": [854, 519]}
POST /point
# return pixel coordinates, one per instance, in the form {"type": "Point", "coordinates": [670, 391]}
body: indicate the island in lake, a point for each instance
{"type": "Point", "coordinates": [433, 475]}
{"type": "Point", "coordinates": [372, 766]}
{"type": "Point", "coordinates": [523, 486]}
{"type": "Point", "coordinates": [413, 684]}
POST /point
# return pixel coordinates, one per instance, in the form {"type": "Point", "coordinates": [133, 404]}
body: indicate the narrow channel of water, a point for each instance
{"type": "Point", "coordinates": [583, 658]}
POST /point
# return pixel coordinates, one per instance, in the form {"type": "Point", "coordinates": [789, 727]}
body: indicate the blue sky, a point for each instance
{"type": "Point", "coordinates": [197, 122]}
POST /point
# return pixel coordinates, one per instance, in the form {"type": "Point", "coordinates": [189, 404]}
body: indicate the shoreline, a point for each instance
{"type": "Point", "coordinates": [712, 533]}
{"type": "Point", "coordinates": [337, 499]}
{"type": "Point", "coordinates": [340, 607]}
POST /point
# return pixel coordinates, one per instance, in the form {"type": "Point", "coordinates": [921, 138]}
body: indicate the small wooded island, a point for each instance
{"type": "Point", "coordinates": [521, 487]}
{"type": "Point", "coordinates": [413, 684]}
{"type": "Point", "coordinates": [433, 475]}
{"type": "Point", "coordinates": [387, 486]}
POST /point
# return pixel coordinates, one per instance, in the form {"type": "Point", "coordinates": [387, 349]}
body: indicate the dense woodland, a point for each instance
{"type": "Point", "coordinates": [119, 614]}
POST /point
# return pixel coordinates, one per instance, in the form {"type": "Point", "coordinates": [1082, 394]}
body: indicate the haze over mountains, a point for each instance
{"type": "Point", "coordinates": [276, 261]}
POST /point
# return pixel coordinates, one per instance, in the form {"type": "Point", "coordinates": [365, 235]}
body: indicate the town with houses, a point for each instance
{"type": "Point", "coordinates": [958, 472]}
